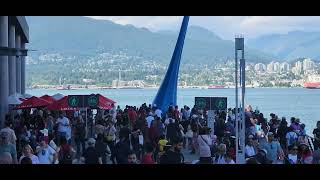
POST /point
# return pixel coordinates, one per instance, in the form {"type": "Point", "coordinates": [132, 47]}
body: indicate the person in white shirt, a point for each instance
{"type": "Point", "coordinates": [113, 112]}
{"type": "Point", "coordinates": [11, 134]}
{"type": "Point", "coordinates": [221, 158]}
{"type": "Point", "coordinates": [27, 152]}
{"type": "Point", "coordinates": [76, 114]}
{"type": "Point", "coordinates": [291, 137]}
{"type": "Point", "coordinates": [250, 150]}
{"type": "Point", "coordinates": [205, 142]}
{"type": "Point", "coordinates": [293, 154]}
{"type": "Point", "coordinates": [168, 120]}
{"type": "Point", "coordinates": [63, 127]}
{"type": "Point", "coordinates": [46, 154]}
{"type": "Point", "coordinates": [229, 160]}
{"type": "Point", "coordinates": [149, 119]}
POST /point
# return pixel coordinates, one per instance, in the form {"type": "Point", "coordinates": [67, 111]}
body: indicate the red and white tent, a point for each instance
{"type": "Point", "coordinates": [33, 102]}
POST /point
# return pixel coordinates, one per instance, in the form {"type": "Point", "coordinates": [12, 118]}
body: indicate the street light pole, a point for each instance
{"type": "Point", "coordinates": [240, 121]}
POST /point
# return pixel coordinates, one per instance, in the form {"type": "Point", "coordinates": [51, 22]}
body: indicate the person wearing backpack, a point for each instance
{"type": "Point", "coordinates": [205, 144]}
{"type": "Point", "coordinates": [65, 152]}
{"type": "Point", "coordinates": [291, 137]}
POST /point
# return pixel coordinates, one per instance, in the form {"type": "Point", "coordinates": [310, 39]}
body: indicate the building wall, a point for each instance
{"type": "Point", "coordinates": [8, 26]}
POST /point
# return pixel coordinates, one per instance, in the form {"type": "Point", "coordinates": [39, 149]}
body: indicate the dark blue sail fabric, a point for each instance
{"type": "Point", "coordinates": [167, 94]}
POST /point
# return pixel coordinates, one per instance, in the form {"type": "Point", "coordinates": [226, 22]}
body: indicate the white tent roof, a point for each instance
{"type": "Point", "coordinates": [14, 100]}
{"type": "Point", "coordinates": [58, 96]}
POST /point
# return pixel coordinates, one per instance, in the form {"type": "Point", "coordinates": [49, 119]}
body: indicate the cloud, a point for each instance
{"type": "Point", "coordinates": [225, 26]}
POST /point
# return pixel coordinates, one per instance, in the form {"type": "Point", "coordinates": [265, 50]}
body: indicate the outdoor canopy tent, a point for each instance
{"type": "Point", "coordinates": [48, 98]}
{"type": "Point", "coordinates": [33, 102]}
{"type": "Point", "coordinates": [57, 96]}
{"type": "Point", "coordinates": [63, 105]}
{"type": "Point", "coordinates": [14, 100]}
{"type": "Point", "coordinates": [104, 102]}
{"type": "Point", "coordinates": [106, 99]}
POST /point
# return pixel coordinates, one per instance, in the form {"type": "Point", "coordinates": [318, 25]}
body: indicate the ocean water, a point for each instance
{"type": "Point", "coordinates": [287, 102]}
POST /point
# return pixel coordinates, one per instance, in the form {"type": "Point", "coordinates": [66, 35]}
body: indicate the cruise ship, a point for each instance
{"type": "Point", "coordinates": [216, 87]}
{"type": "Point", "coordinates": [313, 82]}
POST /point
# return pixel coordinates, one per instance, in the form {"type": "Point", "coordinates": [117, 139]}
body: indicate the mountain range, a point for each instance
{"type": "Point", "coordinates": [83, 36]}
{"type": "Point", "coordinates": [293, 45]}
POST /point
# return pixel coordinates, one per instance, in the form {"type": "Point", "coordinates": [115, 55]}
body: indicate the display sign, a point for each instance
{"type": "Point", "coordinates": [83, 101]}
{"type": "Point", "coordinates": [211, 103]}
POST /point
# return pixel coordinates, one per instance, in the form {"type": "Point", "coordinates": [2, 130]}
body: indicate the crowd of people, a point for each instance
{"type": "Point", "coordinates": [146, 135]}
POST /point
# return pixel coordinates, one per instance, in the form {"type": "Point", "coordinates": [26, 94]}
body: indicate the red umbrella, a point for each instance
{"type": "Point", "coordinates": [61, 105]}
{"type": "Point", "coordinates": [33, 102]}
{"type": "Point", "coordinates": [48, 98]}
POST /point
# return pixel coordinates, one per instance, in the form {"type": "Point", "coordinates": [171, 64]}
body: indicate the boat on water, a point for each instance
{"type": "Point", "coordinates": [312, 85]}
{"type": "Point", "coordinates": [65, 88]}
{"type": "Point", "coordinates": [216, 87]}
{"type": "Point", "coordinates": [130, 87]}
{"type": "Point", "coordinates": [313, 82]}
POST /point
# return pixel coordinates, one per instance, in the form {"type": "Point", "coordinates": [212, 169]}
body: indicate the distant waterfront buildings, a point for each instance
{"type": "Point", "coordinates": [260, 67]}
{"type": "Point", "coordinates": [270, 67]}
{"type": "Point", "coordinates": [276, 67]}
{"type": "Point", "coordinates": [285, 67]}
{"type": "Point", "coordinates": [308, 64]}
{"type": "Point", "coordinates": [297, 70]}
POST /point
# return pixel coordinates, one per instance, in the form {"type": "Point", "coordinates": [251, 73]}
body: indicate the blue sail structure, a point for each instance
{"type": "Point", "coordinates": [167, 94]}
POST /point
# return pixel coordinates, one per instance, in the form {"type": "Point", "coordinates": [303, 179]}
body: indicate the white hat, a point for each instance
{"type": "Point", "coordinates": [45, 132]}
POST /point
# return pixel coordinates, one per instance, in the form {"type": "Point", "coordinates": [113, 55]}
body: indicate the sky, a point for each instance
{"type": "Point", "coordinates": [225, 26]}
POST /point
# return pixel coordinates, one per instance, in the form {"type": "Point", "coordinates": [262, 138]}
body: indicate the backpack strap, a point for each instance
{"type": "Point", "coordinates": [204, 140]}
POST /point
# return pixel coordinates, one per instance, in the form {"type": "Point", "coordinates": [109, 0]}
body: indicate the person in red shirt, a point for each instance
{"type": "Point", "coordinates": [153, 133]}
{"type": "Point", "coordinates": [132, 115]}
{"type": "Point", "coordinates": [147, 157]}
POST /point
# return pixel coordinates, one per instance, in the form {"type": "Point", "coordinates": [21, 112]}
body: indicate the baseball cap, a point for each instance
{"type": "Point", "coordinates": [45, 132]}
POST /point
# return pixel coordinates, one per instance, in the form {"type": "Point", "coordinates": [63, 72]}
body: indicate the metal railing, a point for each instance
{"type": "Point", "coordinates": [310, 141]}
